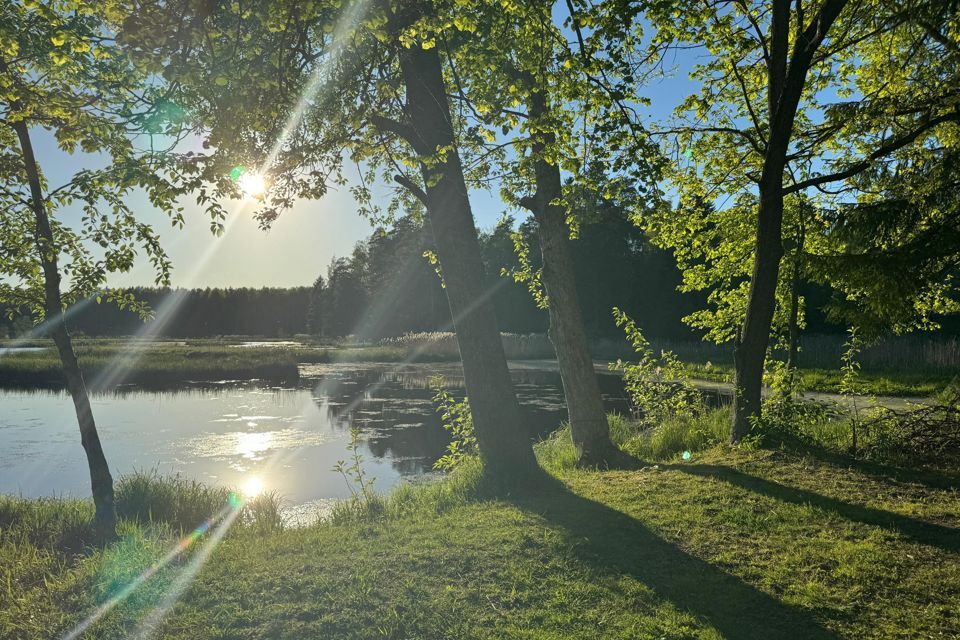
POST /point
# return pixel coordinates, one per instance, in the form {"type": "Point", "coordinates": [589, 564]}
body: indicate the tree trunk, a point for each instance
{"type": "Point", "coordinates": [588, 419]}
{"type": "Point", "coordinates": [504, 441]}
{"type": "Point", "coordinates": [101, 482]}
{"type": "Point", "coordinates": [751, 348]}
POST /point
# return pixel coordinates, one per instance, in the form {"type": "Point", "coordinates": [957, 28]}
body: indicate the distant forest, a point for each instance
{"type": "Point", "coordinates": [386, 287]}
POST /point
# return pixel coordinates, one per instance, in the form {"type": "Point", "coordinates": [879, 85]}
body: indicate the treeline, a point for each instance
{"type": "Point", "coordinates": [387, 287]}
{"type": "Point", "coordinates": [190, 313]}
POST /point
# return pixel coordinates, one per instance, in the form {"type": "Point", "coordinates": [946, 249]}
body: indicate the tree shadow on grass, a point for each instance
{"type": "Point", "coordinates": [943, 537]}
{"type": "Point", "coordinates": [618, 543]}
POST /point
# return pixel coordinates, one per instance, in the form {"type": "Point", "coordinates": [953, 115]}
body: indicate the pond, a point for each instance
{"type": "Point", "coordinates": [246, 433]}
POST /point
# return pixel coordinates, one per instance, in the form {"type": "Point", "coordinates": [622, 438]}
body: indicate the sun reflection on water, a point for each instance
{"type": "Point", "coordinates": [252, 445]}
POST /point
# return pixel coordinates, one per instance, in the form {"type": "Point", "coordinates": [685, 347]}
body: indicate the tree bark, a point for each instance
{"type": "Point", "coordinates": [101, 482]}
{"type": "Point", "coordinates": [751, 347]}
{"type": "Point", "coordinates": [504, 441]}
{"type": "Point", "coordinates": [588, 419]}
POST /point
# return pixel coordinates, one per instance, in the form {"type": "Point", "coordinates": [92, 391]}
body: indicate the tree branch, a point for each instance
{"type": "Point", "coordinates": [885, 149]}
{"type": "Point", "coordinates": [412, 187]}
{"type": "Point", "coordinates": [399, 129]}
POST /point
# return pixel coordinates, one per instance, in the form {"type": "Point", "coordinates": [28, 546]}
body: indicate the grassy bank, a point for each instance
{"type": "Point", "coordinates": [109, 363]}
{"type": "Point", "coordinates": [170, 362]}
{"type": "Point", "coordinates": [747, 543]}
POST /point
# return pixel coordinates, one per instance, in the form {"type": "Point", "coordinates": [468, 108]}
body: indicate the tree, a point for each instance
{"type": "Point", "coordinates": [346, 299]}
{"type": "Point", "coordinates": [539, 107]}
{"type": "Point", "coordinates": [795, 99]}
{"type": "Point", "coordinates": [61, 70]}
{"type": "Point", "coordinates": [316, 309]}
{"type": "Point", "coordinates": [892, 259]}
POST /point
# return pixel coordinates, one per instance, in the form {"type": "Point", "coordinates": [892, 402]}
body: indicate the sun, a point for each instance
{"type": "Point", "coordinates": [252, 185]}
{"type": "Point", "coordinates": [252, 487]}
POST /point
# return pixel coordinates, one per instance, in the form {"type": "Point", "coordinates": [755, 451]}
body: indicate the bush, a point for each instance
{"type": "Point", "coordinates": [458, 421]}
{"type": "Point", "coordinates": [656, 384]}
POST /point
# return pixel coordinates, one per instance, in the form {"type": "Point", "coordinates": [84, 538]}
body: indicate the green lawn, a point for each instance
{"type": "Point", "coordinates": [731, 544]}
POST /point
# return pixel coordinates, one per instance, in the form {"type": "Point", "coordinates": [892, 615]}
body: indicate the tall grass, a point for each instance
{"type": "Point", "coordinates": [172, 503]}
{"type": "Point", "coordinates": [152, 364]}
{"type": "Point", "coordinates": [407, 500]}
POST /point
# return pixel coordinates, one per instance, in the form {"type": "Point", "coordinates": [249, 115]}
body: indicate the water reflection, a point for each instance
{"type": "Point", "coordinates": [287, 439]}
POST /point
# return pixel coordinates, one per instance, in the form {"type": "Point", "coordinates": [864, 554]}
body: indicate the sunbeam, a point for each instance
{"type": "Point", "coordinates": [253, 184]}
{"type": "Point", "coordinates": [135, 347]}
{"type": "Point", "coordinates": [225, 517]}
{"type": "Point", "coordinates": [152, 620]}
{"type": "Point", "coordinates": [319, 84]}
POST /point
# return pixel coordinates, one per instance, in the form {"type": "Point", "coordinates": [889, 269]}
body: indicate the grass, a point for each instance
{"type": "Point", "coordinates": [734, 543]}
{"type": "Point", "coordinates": [107, 362]}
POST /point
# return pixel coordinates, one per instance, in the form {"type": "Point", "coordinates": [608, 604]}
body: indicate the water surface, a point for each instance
{"type": "Point", "coordinates": [287, 438]}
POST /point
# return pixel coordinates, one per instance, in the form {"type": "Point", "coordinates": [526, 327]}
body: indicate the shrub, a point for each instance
{"type": "Point", "coordinates": [657, 385]}
{"type": "Point", "coordinates": [457, 420]}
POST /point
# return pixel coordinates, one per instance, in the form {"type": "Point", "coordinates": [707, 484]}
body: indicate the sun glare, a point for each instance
{"type": "Point", "coordinates": [252, 487]}
{"type": "Point", "coordinates": [252, 185]}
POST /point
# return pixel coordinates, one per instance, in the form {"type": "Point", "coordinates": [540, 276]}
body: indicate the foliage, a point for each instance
{"type": "Point", "coordinates": [556, 89]}
{"type": "Point", "coordinates": [849, 379]}
{"type": "Point", "coordinates": [656, 383]}
{"type": "Point", "coordinates": [457, 420]}
{"type": "Point", "coordinates": [315, 309]}
{"type": "Point", "coordinates": [358, 481]}
{"type": "Point", "coordinates": [63, 70]}
{"type": "Point", "coordinates": [873, 116]}
{"type": "Point", "coordinates": [891, 257]}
